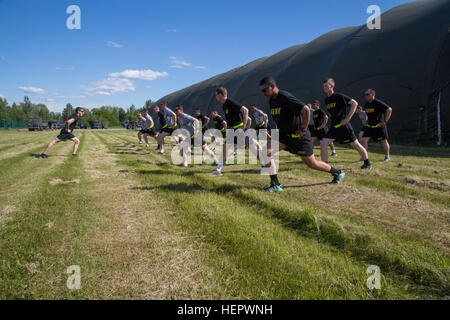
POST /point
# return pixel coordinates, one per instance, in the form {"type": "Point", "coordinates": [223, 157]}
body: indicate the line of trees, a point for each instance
{"type": "Point", "coordinates": [27, 110]}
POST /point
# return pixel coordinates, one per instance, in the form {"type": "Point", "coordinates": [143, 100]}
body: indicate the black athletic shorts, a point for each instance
{"type": "Point", "coordinates": [377, 134]}
{"type": "Point", "coordinates": [64, 136]}
{"type": "Point", "coordinates": [319, 134]}
{"type": "Point", "coordinates": [169, 130]}
{"type": "Point", "coordinates": [258, 128]}
{"type": "Point", "coordinates": [193, 141]}
{"type": "Point", "coordinates": [151, 132]}
{"type": "Point", "coordinates": [300, 147]}
{"type": "Point", "coordinates": [343, 135]}
{"type": "Point", "coordinates": [235, 142]}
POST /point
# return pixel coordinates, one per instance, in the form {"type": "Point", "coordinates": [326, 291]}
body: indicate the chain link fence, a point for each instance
{"type": "Point", "coordinates": [12, 124]}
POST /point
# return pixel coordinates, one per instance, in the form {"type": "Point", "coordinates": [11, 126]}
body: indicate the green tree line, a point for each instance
{"type": "Point", "coordinates": [27, 110]}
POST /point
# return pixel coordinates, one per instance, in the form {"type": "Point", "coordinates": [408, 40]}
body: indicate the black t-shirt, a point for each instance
{"type": "Point", "coordinates": [337, 107]}
{"type": "Point", "coordinates": [232, 112]}
{"type": "Point", "coordinates": [73, 124]}
{"type": "Point", "coordinates": [218, 122]}
{"type": "Point", "coordinates": [162, 119]}
{"type": "Point", "coordinates": [285, 111]}
{"type": "Point", "coordinates": [202, 118]}
{"type": "Point", "coordinates": [318, 117]}
{"type": "Point", "coordinates": [375, 111]}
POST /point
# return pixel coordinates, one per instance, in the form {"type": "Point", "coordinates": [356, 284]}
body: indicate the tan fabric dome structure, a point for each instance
{"type": "Point", "coordinates": [407, 62]}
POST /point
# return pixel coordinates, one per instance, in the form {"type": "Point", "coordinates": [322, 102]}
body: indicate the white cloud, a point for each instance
{"type": "Point", "coordinates": [68, 97]}
{"type": "Point", "coordinates": [171, 30]}
{"type": "Point", "coordinates": [49, 100]}
{"type": "Point", "coordinates": [139, 74]}
{"type": "Point", "coordinates": [32, 90]}
{"type": "Point", "coordinates": [114, 44]}
{"type": "Point", "coordinates": [179, 62]}
{"type": "Point", "coordinates": [65, 68]}
{"type": "Point", "coordinates": [108, 87]}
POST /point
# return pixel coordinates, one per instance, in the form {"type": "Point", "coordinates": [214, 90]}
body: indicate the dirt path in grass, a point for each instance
{"type": "Point", "coordinates": [145, 258]}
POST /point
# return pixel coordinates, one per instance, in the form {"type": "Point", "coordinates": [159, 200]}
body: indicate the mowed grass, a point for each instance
{"type": "Point", "coordinates": [142, 228]}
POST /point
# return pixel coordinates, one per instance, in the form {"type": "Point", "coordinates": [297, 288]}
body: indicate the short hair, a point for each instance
{"type": "Point", "coordinates": [197, 109]}
{"type": "Point", "coordinates": [316, 102]}
{"type": "Point", "coordinates": [330, 81]}
{"type": "Point", "coordinates": [179, 107]}
{"type": "Point", "coordinates": [267, 81]}
{"type": "Point", "coordinates": [371, 91]}
{"type": "Point", "coordinates": [222, 90]}
{"type": "Point", "coordinates": [214, 110]}
{"type": "Point", "coordinates": [78, 109]}
{"type": "Point", "coordinates": [164, 102]}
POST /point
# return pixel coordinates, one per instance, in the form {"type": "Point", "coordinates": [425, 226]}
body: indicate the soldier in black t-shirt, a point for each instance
{"type": "Point", "coordinates": [204, 120]}
{"type": "Point", "coordinates": [67, 133]}
{"type": "Point", "coordinates": [237, 119]}
{"type": "Point", "coordinates": [378, 115]}
{"type": "Point", "coordinates": [292, 117]}
{"type": "Point", "coordinates": [162, 123]}
{"type": "Point", "coordinates": [341, 130]}
{"type": "Point", "coordinates": [319, 127]}
{"type": "Point", "coordinates": [220, 125]}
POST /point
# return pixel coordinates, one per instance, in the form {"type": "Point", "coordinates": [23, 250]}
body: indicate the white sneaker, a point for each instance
{"type": "Point", "coordinates": [140, 142]}
{"type": "Point", "coordinates": [147, 145]}
{"type": "Point", "coordinates": [216, 173]}
{"type": "Point", "coordinates": [161, 151]}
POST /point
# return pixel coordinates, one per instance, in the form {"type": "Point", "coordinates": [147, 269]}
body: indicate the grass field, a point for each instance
{"type": "Point", "coordinates": [141, 228]}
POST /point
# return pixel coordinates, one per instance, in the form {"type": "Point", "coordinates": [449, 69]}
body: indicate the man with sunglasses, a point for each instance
{"type": "Point", "coordinates": [67, 133]}
{"type": "Point", "coordinates": [378, 115]}
{"type": "Point", "coordinates": [341, 129]}
{"type": "Point", "coordinates": [292, 117]}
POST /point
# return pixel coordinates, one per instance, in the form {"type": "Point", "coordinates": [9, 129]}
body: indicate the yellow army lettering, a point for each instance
{"type": "Point", "coordinates": [331, 105]}
{"type": "Point", "coordinates": [275, 111]}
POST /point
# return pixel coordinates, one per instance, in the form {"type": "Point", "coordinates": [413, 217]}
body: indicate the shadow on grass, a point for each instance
{"type": "Point", "coordinates": [37, 155]}
{"type": "Point", "coordinates": [306, 185]}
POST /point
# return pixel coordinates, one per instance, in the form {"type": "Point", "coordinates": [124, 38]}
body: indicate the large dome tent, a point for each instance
{"type": "Point", "coordinates": [406, 62]}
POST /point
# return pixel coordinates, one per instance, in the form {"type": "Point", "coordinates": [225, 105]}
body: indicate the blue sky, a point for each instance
{"type": "Point", "coordinates": [128, 51]}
